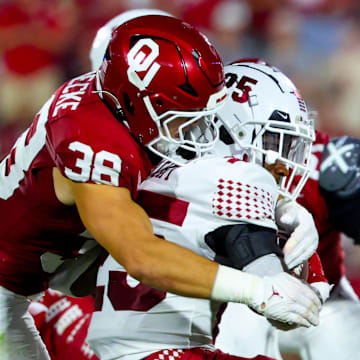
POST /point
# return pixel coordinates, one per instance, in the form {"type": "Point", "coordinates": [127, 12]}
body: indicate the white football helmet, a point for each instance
{"type": "Point", "coordinates": [103, 35]}
{"type": "Point", "coordinates": [268, 121]}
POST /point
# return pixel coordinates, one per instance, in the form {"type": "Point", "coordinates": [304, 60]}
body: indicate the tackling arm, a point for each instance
{"type": "Point", "coordinates": [123, 228]}
{"type": "Point", "coordinates": [255, 250]}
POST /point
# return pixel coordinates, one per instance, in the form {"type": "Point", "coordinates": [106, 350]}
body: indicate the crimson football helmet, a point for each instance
{"type": "Point", "coordinates": [267, 120]}
{"type": "Point", "coordinates": [168, 81]}
{"type": "Point", "coordinates": [103, 35]}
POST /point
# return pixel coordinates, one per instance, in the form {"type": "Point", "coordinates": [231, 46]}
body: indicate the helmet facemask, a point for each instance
{"type": "Point", "coordinates": [287, 143]}
{"type": "Point", "coordinates": [195, 132]}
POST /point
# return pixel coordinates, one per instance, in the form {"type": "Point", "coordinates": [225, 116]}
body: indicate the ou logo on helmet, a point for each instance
{"type": "Point", "coordinates": [140, 59]}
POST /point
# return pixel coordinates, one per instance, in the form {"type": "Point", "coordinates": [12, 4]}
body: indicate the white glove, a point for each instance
{"type": "Point", "coordinates": [295, 220]}
{"type": "Point", "coordinates": [288, 300]}
{"type": "Point", "coordinates": [281, 297]}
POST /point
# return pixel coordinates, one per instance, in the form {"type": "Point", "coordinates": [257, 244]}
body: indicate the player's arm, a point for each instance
{"type": "Point", "coordinates": [241, 245]}
{"type": "Point", "coordinates": [294, 220]}
{"type": "Point", "coordinates": [124, 230]}
{"type": "Point", "coordinates": [255, 249]}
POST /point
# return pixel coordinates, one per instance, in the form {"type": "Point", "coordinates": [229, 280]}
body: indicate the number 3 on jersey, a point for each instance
{"type": "Point", "coordinates": [92, 165]}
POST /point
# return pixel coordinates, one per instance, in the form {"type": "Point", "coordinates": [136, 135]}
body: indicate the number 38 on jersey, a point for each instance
{"type": "Point", "coordinates": [102, 167]}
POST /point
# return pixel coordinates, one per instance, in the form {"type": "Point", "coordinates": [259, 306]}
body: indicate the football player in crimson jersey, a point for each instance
{"type": "Point", "coordinates": [81, 161]}
{"type": "Point", "coordinates": [63, 322]}
{"type": "Point", "coordinates": [224, 209]}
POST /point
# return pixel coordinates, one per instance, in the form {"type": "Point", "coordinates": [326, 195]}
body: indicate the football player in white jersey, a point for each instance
{"type": "Point", "coordinates": [187, 205]}
{"type": "Point", "coordinates": [331, 195]}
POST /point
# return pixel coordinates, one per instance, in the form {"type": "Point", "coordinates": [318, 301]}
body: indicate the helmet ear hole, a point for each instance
{"type": "Point", "coordinates": [128, 104]}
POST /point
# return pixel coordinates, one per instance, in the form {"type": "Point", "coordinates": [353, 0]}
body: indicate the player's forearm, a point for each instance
{"type": "Point", "coordinates": [123, 228]}
{"type": "Point", "coordinates": [167, 266]}
{"type": "Point", "coordinates": [157, 262]}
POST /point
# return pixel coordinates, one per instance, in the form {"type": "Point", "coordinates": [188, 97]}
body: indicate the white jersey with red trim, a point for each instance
{"type": "Point", "coordinates": [184, 204]}
{"type": "Point", "coordinates": [336, 336]}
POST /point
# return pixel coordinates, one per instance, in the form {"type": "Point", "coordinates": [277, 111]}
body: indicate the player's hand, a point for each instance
{"type": "Point", "coordinates": [299, 224]}
{"type": "Point", "coordinates": [283, 298]}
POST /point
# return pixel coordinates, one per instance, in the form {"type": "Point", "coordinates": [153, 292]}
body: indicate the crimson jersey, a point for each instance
{"type": "Point", "coordinates": [63, 323]}
{"type": "Point", "coordinates": [75, 132]}
{"type": "Point", "coordinates": [330, 248]}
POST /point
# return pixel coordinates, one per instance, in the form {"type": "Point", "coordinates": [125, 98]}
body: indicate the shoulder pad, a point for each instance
{"type": "Point", "coordinates": [340, 167]}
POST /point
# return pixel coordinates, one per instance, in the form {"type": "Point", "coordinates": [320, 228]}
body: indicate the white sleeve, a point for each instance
{"type": "Point", "coordinates": [205, 195]}
{"type": "Point", "coordinates": [230, 191]}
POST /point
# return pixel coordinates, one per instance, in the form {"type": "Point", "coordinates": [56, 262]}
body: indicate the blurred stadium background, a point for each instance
{"type": "Point", "coordinates": [315, 42]}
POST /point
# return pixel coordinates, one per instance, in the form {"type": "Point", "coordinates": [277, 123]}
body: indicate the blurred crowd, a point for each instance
{"type": "Point", "coordinates": [315, 42]}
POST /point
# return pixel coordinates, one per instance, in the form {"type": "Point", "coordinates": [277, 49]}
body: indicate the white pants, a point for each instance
{"type": "Point", "coordinates": [19, 338]}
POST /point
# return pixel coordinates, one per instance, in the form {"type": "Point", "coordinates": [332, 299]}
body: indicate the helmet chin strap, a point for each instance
{"type": "Point", "coordinates": [119, 112]}
{"type": "Point", "coordinates": [100, 92]}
